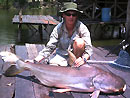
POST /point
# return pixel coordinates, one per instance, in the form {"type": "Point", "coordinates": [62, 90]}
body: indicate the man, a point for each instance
{"type": "Point", "coordinates": [70, 34]}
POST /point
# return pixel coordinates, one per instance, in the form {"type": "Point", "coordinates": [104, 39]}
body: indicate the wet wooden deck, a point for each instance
{"type": "Point", "coordinates": [35, 19]}
{"type": "Point", "coordinates": [42, 21]}
{"type": "Point", "coordinates": [24, 86]}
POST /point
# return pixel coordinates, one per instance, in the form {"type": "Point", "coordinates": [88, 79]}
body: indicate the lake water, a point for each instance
{"type": "Point", "coordinates": [7, 29]}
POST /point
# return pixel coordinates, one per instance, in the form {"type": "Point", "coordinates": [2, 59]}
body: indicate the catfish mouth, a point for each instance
{"type": "Point", "coordinates": [122, 89]}
{"type": "Point", "coordinates": [114, 91]}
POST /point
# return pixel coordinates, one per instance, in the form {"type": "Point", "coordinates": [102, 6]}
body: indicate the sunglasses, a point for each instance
{"type": "Point", "coordinates": [69, 14]}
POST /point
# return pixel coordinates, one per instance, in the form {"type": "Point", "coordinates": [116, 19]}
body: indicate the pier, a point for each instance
{"type": "Point", "coordinates": [42, 21]}
{"type": "Point", "coordinates": [24, 85]}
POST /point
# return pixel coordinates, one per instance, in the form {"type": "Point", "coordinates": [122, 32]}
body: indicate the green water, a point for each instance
{"type": "Point", "coordinates": [7, 29]}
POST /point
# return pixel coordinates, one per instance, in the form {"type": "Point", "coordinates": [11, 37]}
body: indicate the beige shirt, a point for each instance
{"type": "Point", "coordinates": [60, 39]}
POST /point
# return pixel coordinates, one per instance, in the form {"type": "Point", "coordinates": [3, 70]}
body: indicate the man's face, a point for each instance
{"type": "Point", "coordinates": [70, 17]}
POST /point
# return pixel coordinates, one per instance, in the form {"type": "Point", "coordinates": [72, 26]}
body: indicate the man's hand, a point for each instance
{"type": "Point", "coordinates": [79, 62]}
{"type": "Point", "coordinates": [37, 59]}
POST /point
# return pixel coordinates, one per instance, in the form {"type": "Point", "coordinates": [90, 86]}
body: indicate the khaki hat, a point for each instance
{"type": "Point", "coordinates": [67, 6]}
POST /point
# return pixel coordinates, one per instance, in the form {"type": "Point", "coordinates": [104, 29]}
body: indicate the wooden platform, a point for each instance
{"type": "Point", "coordinates": [31, 20]}
{"type": "Point", "coordinates": [25, 86]}
{"type": "Point", "coordinates": [35, 19]}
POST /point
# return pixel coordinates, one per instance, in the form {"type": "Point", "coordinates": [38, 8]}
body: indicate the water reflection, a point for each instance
{"type": "Point", "coordinates": [7, 29]}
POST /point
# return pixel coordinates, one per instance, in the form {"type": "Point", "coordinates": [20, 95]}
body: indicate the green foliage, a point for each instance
{"type": "Point", "coordinates": [6, 3]}
{"type": "Point", "coordinates": [20, 3]}
{"type": "Point", "coordinates": [1, 1]}
{"type": "Point", "coordinates": [10, 3]}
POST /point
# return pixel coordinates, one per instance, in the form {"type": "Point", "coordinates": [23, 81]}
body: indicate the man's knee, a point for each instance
{"type": "Point", "coordinates": [79, 42]}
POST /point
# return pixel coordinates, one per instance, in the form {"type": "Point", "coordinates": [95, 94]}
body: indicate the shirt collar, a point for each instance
{"type": "Point", "coordinates": [75, 28]}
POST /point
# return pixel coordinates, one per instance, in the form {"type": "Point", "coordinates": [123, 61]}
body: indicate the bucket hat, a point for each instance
{"type": "Point", "coordinates": [67, 6]}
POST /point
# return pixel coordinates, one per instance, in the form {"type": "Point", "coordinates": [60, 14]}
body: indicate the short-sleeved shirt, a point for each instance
{"type": "Point", "coordinates": [60, 39]}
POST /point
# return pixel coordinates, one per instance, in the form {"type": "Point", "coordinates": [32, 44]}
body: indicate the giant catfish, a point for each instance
{"type": "Point", "coordinates": [85, 78]}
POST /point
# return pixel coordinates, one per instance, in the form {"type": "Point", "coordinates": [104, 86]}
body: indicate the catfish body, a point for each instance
{"type": "Point", "coordinates": [83, 79]}
{"type": "Point", "coordinates": [86, 78]}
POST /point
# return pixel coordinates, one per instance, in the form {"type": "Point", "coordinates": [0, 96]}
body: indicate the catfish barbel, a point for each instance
{"type": "Point", "coordinates": [85, 78]}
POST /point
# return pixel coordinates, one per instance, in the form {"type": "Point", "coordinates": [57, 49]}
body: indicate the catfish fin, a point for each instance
{"type": "Point", "coordinates": [13, 70]}
{"type": "Point", "coordinates": [95, 94]}
{"type": "Point", "coordinates": [61, 90]}
{"type": "Point", "coordinates": [72, 58]}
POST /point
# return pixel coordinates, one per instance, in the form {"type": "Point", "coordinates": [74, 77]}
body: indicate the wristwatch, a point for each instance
{"type": "Point", "coordinates": [35, 61]}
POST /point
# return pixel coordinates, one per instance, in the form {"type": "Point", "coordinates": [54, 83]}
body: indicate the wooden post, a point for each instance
{"type": "Point", "coordinates": [40, 32]}
{"type": "Point", "coordinates": [128, 22]}
{"type": "Point", "coordinates": [115, 6]}
{"type": "Point", "coordinates": [94, 9]}
{"type": "Point", "coordinates": [20, 16]}
{"type": "Point", "coordinates": [19, 32]}
{"type": "Point", "coordinates": [20, 25]}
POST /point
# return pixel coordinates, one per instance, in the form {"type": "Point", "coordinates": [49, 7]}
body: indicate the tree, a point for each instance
{"type": "Point", "coordinates": [5, 3]}
{"type": "Point", "coordinates": [7, 6]}
{"type": "Point", "coordinates": [22, 3]}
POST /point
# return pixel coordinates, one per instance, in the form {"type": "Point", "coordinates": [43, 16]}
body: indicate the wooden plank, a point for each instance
{"type": "Point", "coordinates": [40, 90]}
{"type": "Point", "coordinates": [85, 95]}
{"type": "Point", "coordinates": [122, 73]}
{"type": "Point", "coordinates": [24, 87]}
{"type": "Point", "coordinates": [32, 51]}
{"type": "Point", "coordinates": [6, 83]}
{"type": "Point", "coordinates": [51, 18]}
{"type": "Point", "coordinates": [80, 95]}
{"type": "Point", "coordinates": [40, 47]}
{"type": "Point", "coordinates": [2, 48]}
{"type": "Point", "coordinates": [35, 19]}
{"type": "Point", "coordinates": [63, 95]}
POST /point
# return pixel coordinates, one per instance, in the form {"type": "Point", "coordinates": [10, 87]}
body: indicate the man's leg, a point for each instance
{"type": "Point", "coordinates": [78, 47]}
{"type": "Point", "coordinates": [58, 60]}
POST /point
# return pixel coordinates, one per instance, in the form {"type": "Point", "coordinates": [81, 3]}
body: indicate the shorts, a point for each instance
{"type": "Point", "coordinates": [58, 60]}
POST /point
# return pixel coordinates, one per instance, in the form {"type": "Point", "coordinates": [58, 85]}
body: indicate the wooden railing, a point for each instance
{"type": "Point", "coordinates": [93, 9]}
